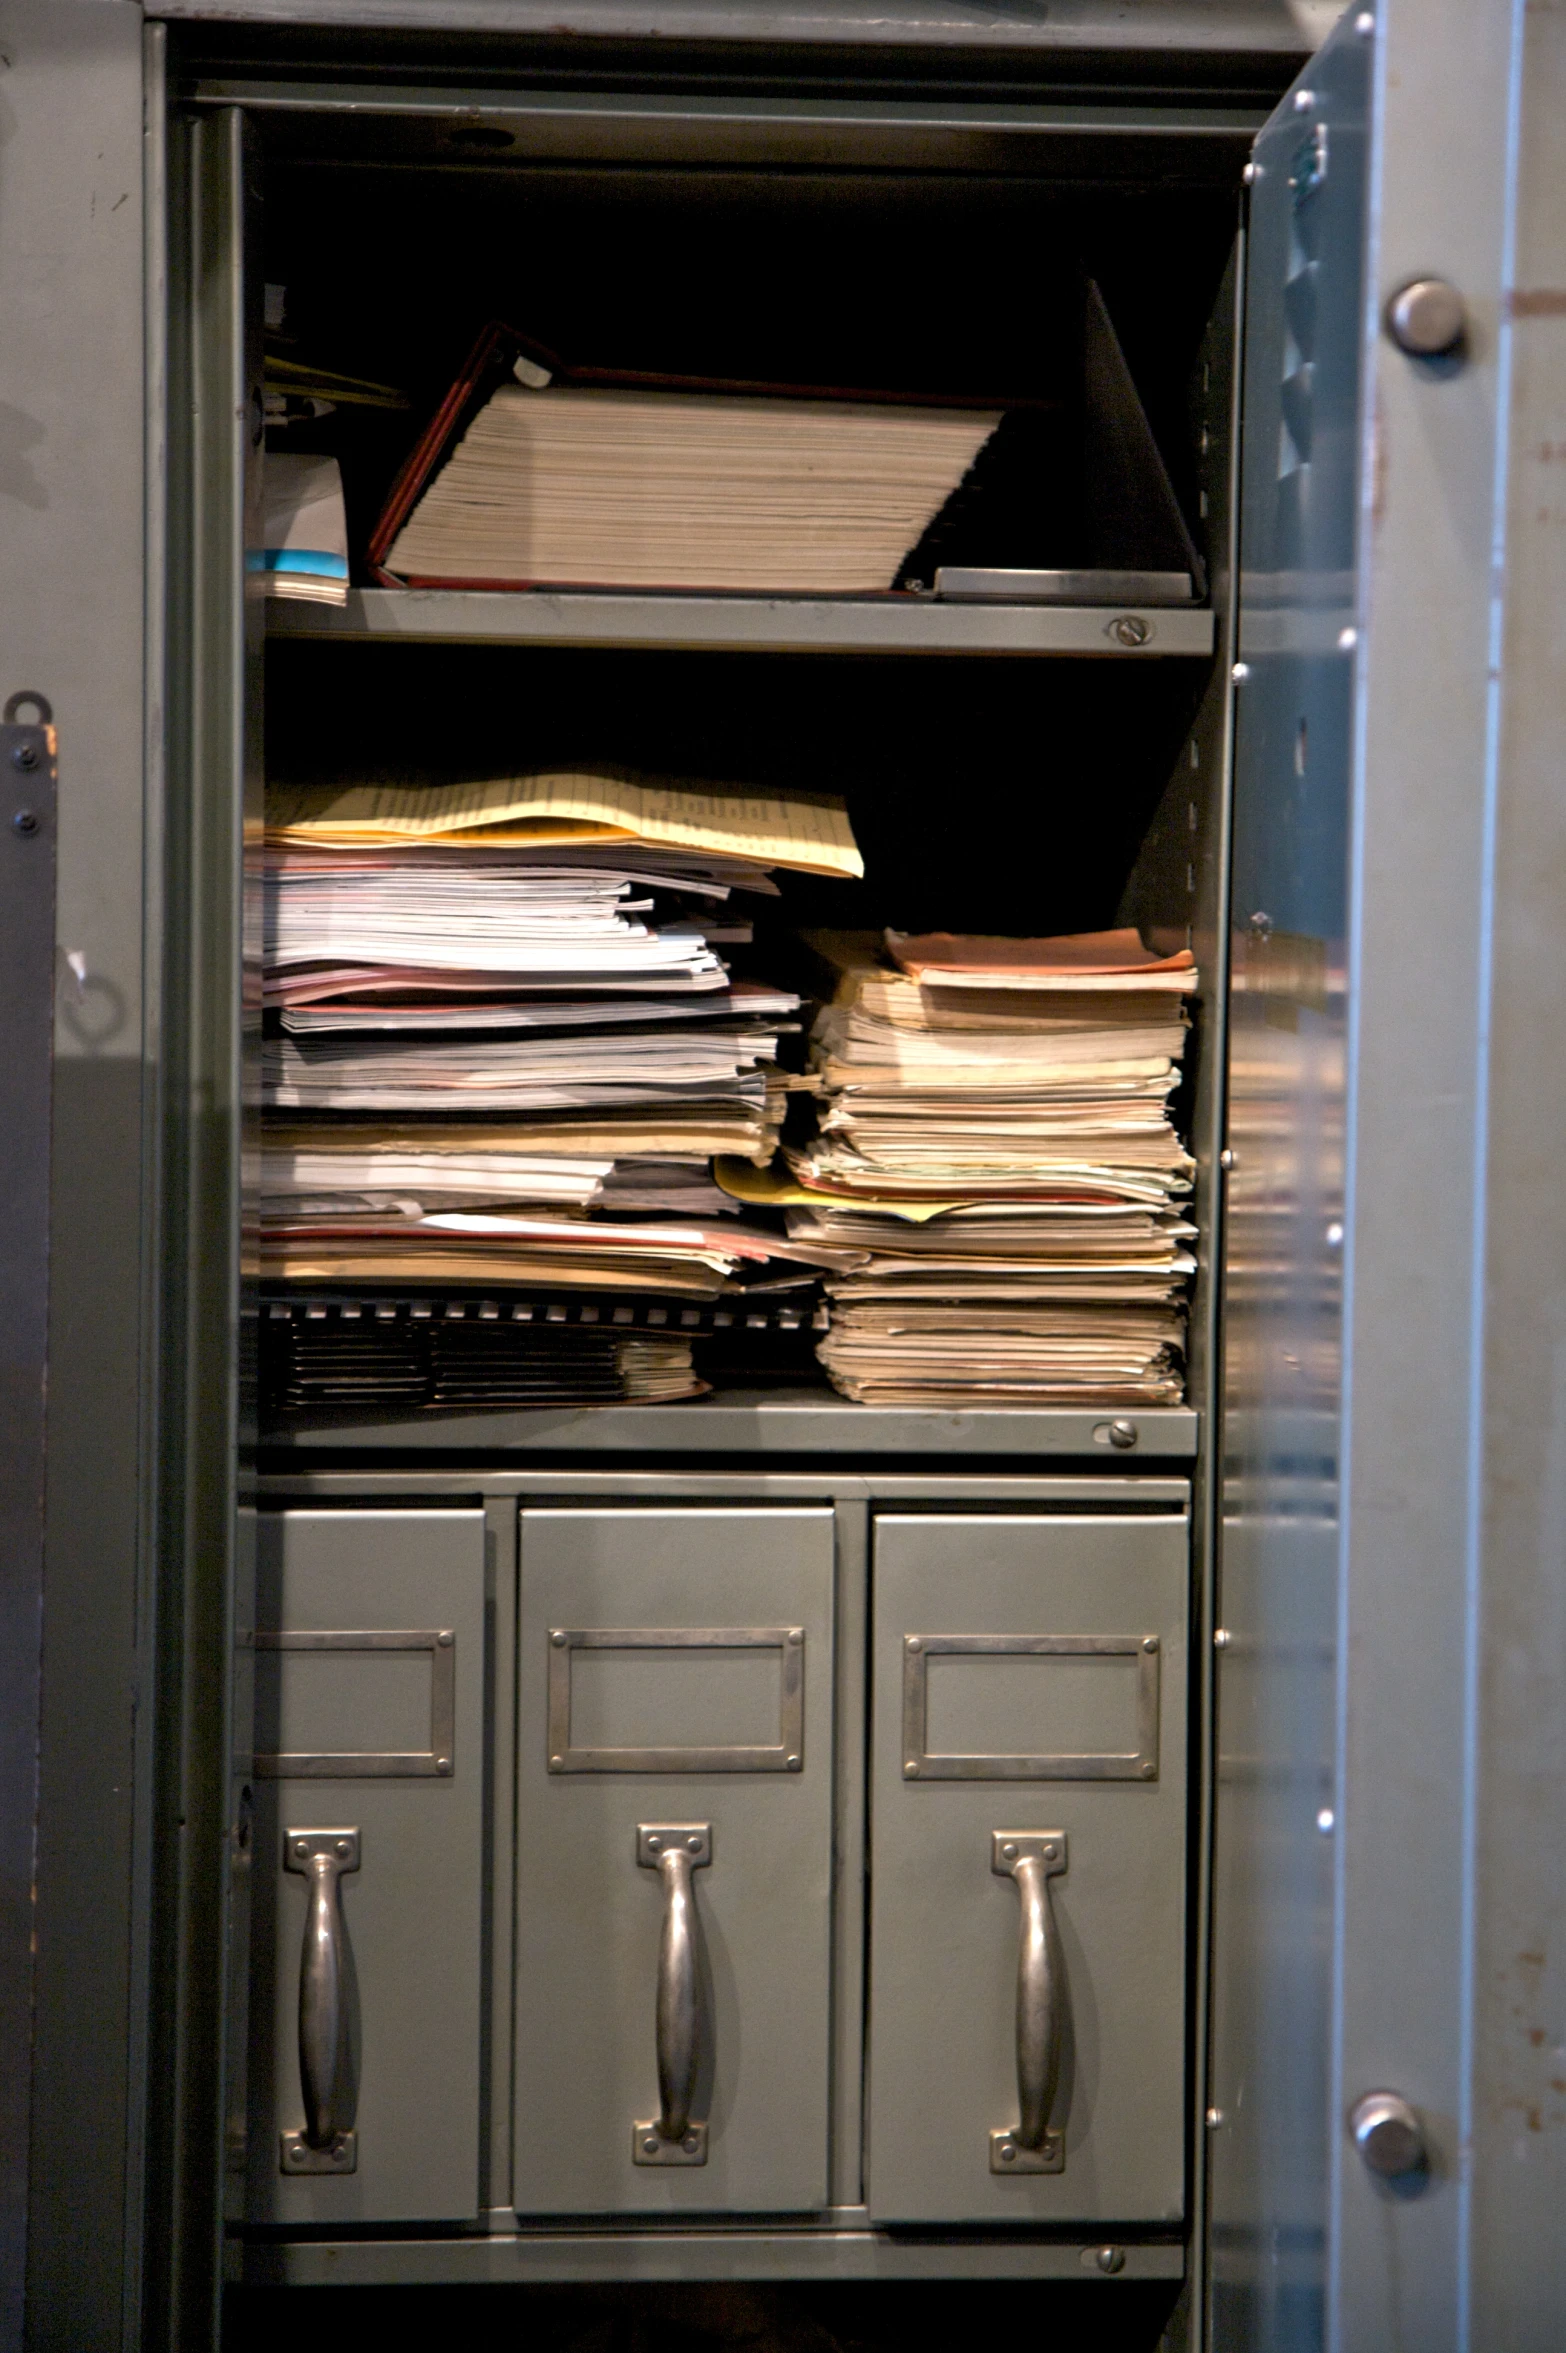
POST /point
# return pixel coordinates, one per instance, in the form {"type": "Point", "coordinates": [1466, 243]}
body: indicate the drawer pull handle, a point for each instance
{"type": "Point", "coordinates": [325, 2056]}
{"type": "Point", "coordinates": [1033, 1858]}
{"type": "Point", "coordinates": [674, 1850]}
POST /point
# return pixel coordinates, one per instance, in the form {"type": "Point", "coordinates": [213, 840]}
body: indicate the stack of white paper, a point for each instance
{"type": "Point", "coordinates": [621, 489]}
{"type": "Point", "coordinates": [504, 1048]}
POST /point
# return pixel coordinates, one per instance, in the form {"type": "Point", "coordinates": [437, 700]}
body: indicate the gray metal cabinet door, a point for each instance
{"type": "Point", "coordinates": [1028, 1841]}
{"type": "Point", "coordinates": [675, 1687]}
{"type": "Point", "coordinates": [369, 1737]}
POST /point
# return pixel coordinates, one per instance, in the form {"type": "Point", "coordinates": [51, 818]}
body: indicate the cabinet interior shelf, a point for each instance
{"type": "Point", "coordinates": [748, 624]}
{"type": "Point", "coordinates": [750, 1422]}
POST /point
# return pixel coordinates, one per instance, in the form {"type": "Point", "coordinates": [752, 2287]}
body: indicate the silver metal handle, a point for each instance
{"type": "Point", "coordinates": [325, 2060]}
{"type": "Point", "coordinates": [1033, 1858]}
{"type": "Point", "coordinates": [674, 1850]}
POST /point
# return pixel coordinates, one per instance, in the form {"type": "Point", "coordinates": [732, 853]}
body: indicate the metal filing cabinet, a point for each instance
{"type": "Point", "coordinates": [1027, 1929]}
{"type": "Point", "coordinates": [1373, 1831]}
{"type": "Point", "coordinates": [674, 1860]}
{"type": "Point", "coordinates": [368, 1867]}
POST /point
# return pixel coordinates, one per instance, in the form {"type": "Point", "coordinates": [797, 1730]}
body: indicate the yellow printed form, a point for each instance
{"type": "Point", "coordinates": [808, 833]}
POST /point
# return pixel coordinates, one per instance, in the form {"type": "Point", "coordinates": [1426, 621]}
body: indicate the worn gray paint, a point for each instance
{"type": "Point", "coordinates": [413, 1909]}
{"type": "Point", "coordinates": [943, 1925]}
{"type": "Point", "coordinates": [1270, 27]}
{"type": "Point", "coordinates": [1517, 2255]}
{"type": "Point", "coordinates": [71, 549]}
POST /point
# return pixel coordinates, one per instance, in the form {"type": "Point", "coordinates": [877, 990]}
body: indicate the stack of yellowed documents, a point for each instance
{"type": "Point", "coordinates": [996, 1134]}
{"type": "Point", "coordinates": [503, 1046]}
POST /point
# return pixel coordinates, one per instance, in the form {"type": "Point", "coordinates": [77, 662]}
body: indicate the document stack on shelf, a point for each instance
{"type": "Point", "coordinates": [996, 1135]}
{"type": "Point", "coordinates": [504, 1050]}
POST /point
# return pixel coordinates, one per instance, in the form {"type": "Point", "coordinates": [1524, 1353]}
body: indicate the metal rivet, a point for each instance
{"type": "Point", "coordinates": [444, 1639]}
{"type": "Point", "coordinates": [1364, 24]}
{"type": "Point", "coordinates": [558, 1640]}
{"type": "Point", "coordinates": [1111, 2259]}
{"type": "Point", "coordinates": [653, 1844]}
{"type": "Point", "coordinates": [1214, 2119]}
{"type": "Point", "coordinates": [1326, 1821]}
{"type": "Point", "coordinates": [792, 1763]}
{"type": "Point", "coordinates": [1251, 174]}
{"type": "Point", "coordinates": [1147, 1772]}
{"type": "Point", "coordinates": [25, 821]}
{"type": "Point", "coordinates": [1150, 1642]}
{"type": "Point", "coordinates": [443, 1764]}
{"type": "Point", "coordinates": [1240, 672]}
{"type": "Point", "coordinates": [1334, 1236]}
{"type": "Point", "coordinates": [694, 1844]}
{"type": "Point", "coordinates": [912, 1642]}
{"type": "Point", "coordinates": [1427, 318]}
{"type": "Point", "coordinates": [25, 757]}
{"type": "Point", "coordinates": [1221, 1638]}
{"type": "Point", "coordinates": [1051, 1850]}
{"type": "Point", "coordinates": [1348, 639]}
{"type": "Point", "coordinates": [1228, 1158]}
{"type": "Point", "coordinates": [1010, 1853]}
{"type": "Point", "coordinates": [912, 1766]}
{"type": "Point", "coordinates": [650, 2146]}
{"type": "Point", "coordinates": [301, 1846]}
{"type": "Point", "coordinates": [557, 1760]}
{"type": "Point", "coordinates": [1122, 1434]}
{"type": "Point", "coordinates": [1007, 2151]}
{"type": "Point", "coordinates": [691, 2144]}
{"type": "Point", "coordinates": [796, 1633]}
{"type": "Point", "coordinates": [343, 1848]}
{"type": "Point", "coordinates": [1304, 100]}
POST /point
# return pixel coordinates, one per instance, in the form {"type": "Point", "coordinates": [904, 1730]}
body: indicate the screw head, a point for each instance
{"type": "Point", "coordinates": [1110, 2260]}
{"type": "Point", "coordinates": [301, 1846]}
{"type": "Point", "coordinates": [1009, 1852]}
{"type": "Point", "coordinates": [654, 1845]}
{"type": "Point", "coordinates": [694, 1844]}
{"type": "Point", "coordinates": [25, 821]}
{"type": "Point", "coordinates": [1326, 1821]}
{"type": "Point", "coordinates": [1364, 24]}
{"type": "Point", "coordinates": [911, 1768]}
{"type": "Point", "coordinates": [796, 1634]}
{"type": "Point", "coordinates": [1122, 1434]}
{"type": "Point", "coordinates": [911, 1642]}
{"type": "Point", "coordinates": [1214, 2119]}
{"type": "Point", "coordinates": [1426, 318]}
{"type": "Point", "coordinates": [1228, 1158]}
{"type": "Point", "coordinates": [1240, 672]}
{"type": "Point", "coordinates": [1221, 1638]}
{"type": "Point", "coordinates": [1130, 629]}
{"type": "Point", "coordinates": [650, 2145]}
{"type": "Point", "coordinates": [557, 1760]}
{"type": "Point", "coordinates": [443, 1764]}
{"type": "Point", "coordinates": [690, 2144]}
{"type": "Point", "coordinates": [1304, 100]}
{"type": "Point", "coordinates": [1150, 1642]}
{"type": "Point", "coordinates": [558, 1639]}
{"type": "Point", "coordinates": [1147, 1771]}
{"type": "Point", "coordinates": [792, 1763]}
{"type": "Point", "coordinates": [1007, 2152]}
{"type": "Point", "coordinates": [25, 757]}
{"type": "Point", "coordinates": [344, 1849]}
{"type": "Point", "coordinates": [1251, 174]}
{"type": "Point", "coordinates": [1051, 1850]}
{"type": "Point", "coordinates": [443, 1639]}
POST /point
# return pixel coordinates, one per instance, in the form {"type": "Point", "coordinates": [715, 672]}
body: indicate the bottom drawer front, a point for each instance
{"type": "Point", "coordinates": [366, 1925]}
{"type": "Point", "coordinates": [674, 1861]}
{"type": "Point", "coordinates": [1027, 2010]}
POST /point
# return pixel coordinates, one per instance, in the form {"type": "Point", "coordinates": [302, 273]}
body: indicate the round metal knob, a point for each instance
{"type": "Point", "coordinates": [1426, 318]}
{"type": "Point", "coordinates": [1389, 2135]}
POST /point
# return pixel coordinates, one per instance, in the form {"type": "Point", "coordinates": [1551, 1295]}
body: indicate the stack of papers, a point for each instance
{"type": "Point", "coordinates": [996, 1135]}
{"type": "Point", "coordinates": [574, 486]}
{"type": "Point", "coordinates": [503, 1048]}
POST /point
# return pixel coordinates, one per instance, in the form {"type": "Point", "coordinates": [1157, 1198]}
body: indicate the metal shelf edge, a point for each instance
{"type": "Point", "coordinates": [716, 624]}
